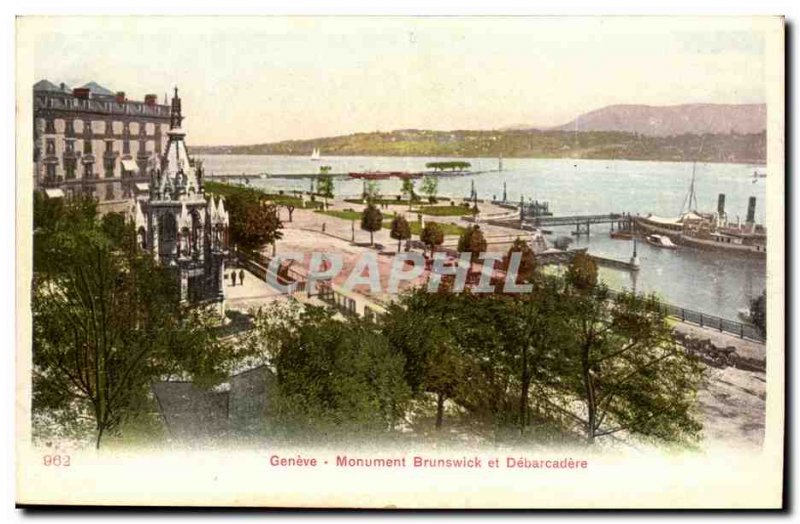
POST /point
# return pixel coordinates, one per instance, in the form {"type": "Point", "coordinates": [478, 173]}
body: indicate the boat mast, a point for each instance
{"type": "Point", "coordinates": [690, 203]}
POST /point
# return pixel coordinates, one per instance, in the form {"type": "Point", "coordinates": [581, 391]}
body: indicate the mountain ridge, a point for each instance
{"type": "Point", "coordinates": [672, 120]}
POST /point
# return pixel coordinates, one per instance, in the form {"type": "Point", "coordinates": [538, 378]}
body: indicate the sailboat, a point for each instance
{"type": "Point", "coordinates": [315, 156]}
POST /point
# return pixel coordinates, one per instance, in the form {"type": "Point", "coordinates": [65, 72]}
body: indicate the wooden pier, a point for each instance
{"type": "Point", "coordinates": [583, 223]}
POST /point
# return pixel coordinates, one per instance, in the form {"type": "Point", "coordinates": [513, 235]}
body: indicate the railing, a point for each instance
{"type": "Point", "coordinates": [568, 220]}
{"type": "Point", "coordinates": [723, 325]}
{"type": "Point", "coordinates": [344, 304]}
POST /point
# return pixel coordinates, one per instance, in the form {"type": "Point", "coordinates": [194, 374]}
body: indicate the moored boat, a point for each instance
{"type": "Point", "coordinates": [661, 241]}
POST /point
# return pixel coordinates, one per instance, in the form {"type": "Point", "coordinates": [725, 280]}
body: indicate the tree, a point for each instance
{"type": "Point", "coordinates": [527, 263]}
{"type": "Point", "coordinates": [372, 221]}
{"type": "Point", "coordinates": [472, 241]}
{"type": "Point", "coordinates": [372, 191]}
{"type": "Point", "coordinates": [432, 235]}
{"type": "Point", "coordinates": [290, 210]}
{"type": "Point", "coordinates": [430, 186]}
{"type": "Point", "coordinates": [107, 321]}
{"type": "Point", "coordinates": [625, 368]}
{"type": "Point", "coordinates": [758, 313]}
{"type": "Point", "coordinates": [582, 272]}
{"type": "Point", "coordinates": [422, 331]}
{"type": "Point", "coordinates": [254, 222]}
{"type": "Point", "coordinates": [338, 375]}
{"type": "Point", "coordinates": [325, 187]}
{"type": "Point", "coordinates": [400, 230]}
{"type": "Point", "coordinates": [408, 190]}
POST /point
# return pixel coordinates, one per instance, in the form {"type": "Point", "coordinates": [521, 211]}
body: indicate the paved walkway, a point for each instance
{"type": "Point", "coordinates": [253, 293]}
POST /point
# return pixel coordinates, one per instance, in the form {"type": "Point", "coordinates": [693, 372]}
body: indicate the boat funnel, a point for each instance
{"type": "Point", "coordinates": [751, 210]}
{"type": "Point", "coordinates": [721, 204]}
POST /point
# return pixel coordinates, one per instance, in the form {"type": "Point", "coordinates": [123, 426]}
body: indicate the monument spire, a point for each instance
{"type": "Point", "coordinates": [175, 117]}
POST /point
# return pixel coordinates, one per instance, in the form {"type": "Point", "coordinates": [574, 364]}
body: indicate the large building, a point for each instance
{"type": "Point", "coordinates": [183, 228]}
{"type": "Point", "coordinates": [93, 141]}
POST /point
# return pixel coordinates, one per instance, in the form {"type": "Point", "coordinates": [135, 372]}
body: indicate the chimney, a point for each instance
{"type": "Point", "coordinates": [120, 97]}
{"type": "Point", "coordinates": [81, 92]}
{"type": "Point", "coordinates": [150, 100]}
{"type": "Point", "coordinates": [721, 204]}
{"type": "Point", "coordinates": [751, 210]}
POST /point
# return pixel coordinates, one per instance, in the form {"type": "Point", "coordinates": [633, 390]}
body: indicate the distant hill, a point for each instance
{"type": "Point", "coordinates": [734, 148]}
{"type": "Point", "coordinates": [674, 120]}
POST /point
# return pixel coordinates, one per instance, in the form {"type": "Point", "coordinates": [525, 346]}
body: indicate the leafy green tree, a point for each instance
{"type": "Point", "coordinates": [401, 230]}
{"type": "Point", "coordinates": [432, 235]}
{"type": "Point", "coordinates": [472, 241]}
{"type": "Point", "coordinates": [408, 190]}
{"type": "Point", "coordinates": [325, 187]}
{"type": "Point", "coordinates": [107, 321]}
{"type": "Point", "coordinates": [254, 222]}
{"type": "Point", "coordinates": [758, 313]}
{"type": "Point", "coordinates": [582, 272]}
{"type": "Point", "coordinates": [430, 186]}
{"type": "Point", "coordinates": [527, 263]}
{"type": "Point", "coordinates": [372, 221]}
{"type": "Point", "coordinates": [372, 191]}
{"type": "Point", "coordinates": [625, 368]}
{"type": "Point", "coordinates": [424, 334]}
{"type": "Point", "coordinates": [338, 375]}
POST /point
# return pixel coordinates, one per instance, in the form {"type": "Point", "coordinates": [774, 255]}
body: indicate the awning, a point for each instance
{"type": "Point", "coordinates": [142, 186]}
{"type": "Point", "coordinates": [54, 193]}
{"type": "Point", "coordinates": [129, 165]}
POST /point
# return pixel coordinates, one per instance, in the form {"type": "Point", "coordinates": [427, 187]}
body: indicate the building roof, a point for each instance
{"type": "Point", "coordinates": [46, 85]}
{"type": "Point", "coordinates": [97, 89]}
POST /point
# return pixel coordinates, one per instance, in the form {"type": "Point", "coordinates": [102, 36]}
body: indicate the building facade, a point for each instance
{"type": "Point", "coordinates": [92, 141]}
{"type": "Point", "coordinates": [182, 227]}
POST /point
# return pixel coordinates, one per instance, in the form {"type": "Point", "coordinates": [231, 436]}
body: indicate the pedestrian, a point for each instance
{"type": "Point", "coordinates": [233, 278]}
{"type": "Point", "coordinates": [241, 276]}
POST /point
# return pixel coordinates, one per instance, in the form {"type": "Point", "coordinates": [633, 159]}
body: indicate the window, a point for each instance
{"type": "Point", "coordinates": [69, 146]}
{"type": "Point", "coordinates": [51, 146]}
{"type": "Point", "coordinates": [50, 126]}
{"type": "Point", "coordinates": [69, 128]}
{"type": "Point", "coordinates": [126, 147]}
{"type": "Point", "coordinates": [69, 168]}
{"type": "Point", "coordinates": [109, 191]}
{"type": "Point", "coordinates": [87, 147]}
{"type": "Point", "coordinates": [109, 146]}
{"type": "Point", "coordinates": [108, 165]}
{"type": "Point", "coordinates": [51, 171]}
{"type": "Point", "coordinates": [88, 171]}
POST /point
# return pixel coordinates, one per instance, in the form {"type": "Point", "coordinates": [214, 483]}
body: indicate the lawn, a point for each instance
{"type": "Point", "coordinates": [449, 229]}
{"type": "Point", "coordinates": [224, 190]}
{"type": "Point", "coordinates": [349, 214]}
{"type": "Point", "coordinates": [444, 211]}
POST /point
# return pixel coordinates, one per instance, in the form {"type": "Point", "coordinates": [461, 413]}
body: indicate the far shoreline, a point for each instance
{"type": "Point", "coordinates": [746, 162]}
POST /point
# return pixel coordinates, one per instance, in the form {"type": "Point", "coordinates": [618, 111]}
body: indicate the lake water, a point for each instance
{"type": "Point", "coordinates": [702, 280]}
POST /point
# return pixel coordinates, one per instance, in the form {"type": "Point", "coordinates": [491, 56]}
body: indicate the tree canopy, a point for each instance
{"type": "Point", "coordinates": [401, 230]}
{"type": "Point", "coordinates": [432, 235]}
{"type": "Point", "coordinates": [107, 321]}
{"type": "Point", "coordinates": [452, 165]}
{"type": "Point", "coordinates": [254, 221]}
{"type": "Point", "coordinates": [371, 220]}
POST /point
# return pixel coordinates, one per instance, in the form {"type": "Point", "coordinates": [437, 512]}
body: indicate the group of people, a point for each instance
{"type": "Point", "coordinates": [241, 277]}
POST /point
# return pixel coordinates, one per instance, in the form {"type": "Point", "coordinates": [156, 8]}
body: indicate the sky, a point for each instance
{"type": "Point", "coordinates": [247, 80]}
